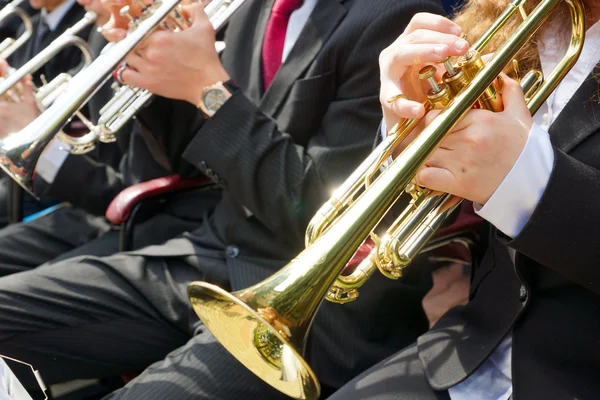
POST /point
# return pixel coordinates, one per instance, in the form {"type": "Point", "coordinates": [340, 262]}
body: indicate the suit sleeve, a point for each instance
{"type": "Point", "coordinates": [279, 181]}
{"type": "Point", "coordinates": [563, 231]}
{"type": "Point", "coordinates": [84, 182]}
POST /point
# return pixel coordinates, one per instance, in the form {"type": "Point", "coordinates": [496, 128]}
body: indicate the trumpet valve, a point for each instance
{"type": "Point", "coordinates": [428, 74]}
{"type": "Point", "coordinates": [471, 63]}
{"type": "Point", "coordinates": [454, 77]}
{"type": "Point", "coordinates": [126, 12]}
{"type": "Point", "coordinates": [438, 95]}
{"type": "Point", "coordinates": [450, 69]}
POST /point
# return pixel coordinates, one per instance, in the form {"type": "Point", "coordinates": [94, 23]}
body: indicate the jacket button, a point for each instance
{"type": "Point", "coordinates": [232, 251]}
{"type": "Point", "coordinates": [523, 293]}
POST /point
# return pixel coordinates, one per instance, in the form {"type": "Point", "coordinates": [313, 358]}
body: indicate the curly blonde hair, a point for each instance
{"type": "Point", "coordinates": [475, 16]}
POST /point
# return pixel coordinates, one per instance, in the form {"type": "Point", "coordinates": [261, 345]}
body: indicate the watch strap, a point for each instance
{"type": "Point", "coordinates": [231, 85]}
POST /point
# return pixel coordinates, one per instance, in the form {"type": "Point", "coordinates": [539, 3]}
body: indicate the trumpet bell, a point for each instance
{"type": "Point", "coordinates": [253, 335]}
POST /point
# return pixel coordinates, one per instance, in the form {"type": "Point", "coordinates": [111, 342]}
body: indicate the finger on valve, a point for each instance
{"type": "Point", "coordinates": [122, 14]}
{"type": "Point", "coordinates": [402, 92]}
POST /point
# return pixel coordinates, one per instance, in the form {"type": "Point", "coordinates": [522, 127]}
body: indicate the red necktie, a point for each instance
{"type": "Point", "coordinates": [272, 49]}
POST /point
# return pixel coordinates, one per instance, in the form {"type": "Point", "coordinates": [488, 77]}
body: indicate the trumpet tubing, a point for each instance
{"type": "Point", "coordinates": [128, 100]}
{"type": "Point", "coordinates": [9, 45]}
{"type": "Point", "coordinates": [20, 151]}
{"type": "Point", "coordinates": [68, 38]}
{"type": "Point", "coordinates": [266, 325]}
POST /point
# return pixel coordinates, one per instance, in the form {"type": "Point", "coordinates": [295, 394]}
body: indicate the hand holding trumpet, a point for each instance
{"type": "Point", "coordinates": [478, 153]}
{"type": "Point", "coordinates": [176, 64]}
{"type": "Point", "coordinates": [18, 107]}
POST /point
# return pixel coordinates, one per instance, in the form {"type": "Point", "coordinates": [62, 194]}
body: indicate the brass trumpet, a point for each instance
{"type": "Point", "coordinates": [20, 151]}
{"type": "Point", "coordinates": [266, 325]}
{"type": "Point", "coordinates": [9, 45]}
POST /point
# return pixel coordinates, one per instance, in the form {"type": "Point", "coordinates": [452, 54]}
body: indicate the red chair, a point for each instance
{"type": "Point", "coordinates": [135, 203]}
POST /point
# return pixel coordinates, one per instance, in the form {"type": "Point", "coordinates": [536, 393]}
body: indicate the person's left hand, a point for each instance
{"type": "Point", "coordinates": [473, 160]}
{"type": "Point", "coordinates": [15, 116]}
{"type": "Point", "coordinates": [177, 65]}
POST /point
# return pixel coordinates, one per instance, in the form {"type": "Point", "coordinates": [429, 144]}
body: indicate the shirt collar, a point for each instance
{"type": "Point", "coordinates": [52, 19]}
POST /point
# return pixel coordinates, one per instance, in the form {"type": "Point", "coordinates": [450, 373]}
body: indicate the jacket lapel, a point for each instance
{"type": "Point", "coordinates": [244, 67]}
{"type": "Point", "coordinates": [72, 16]}
{"type": "Point", "coordinates": [255, 87]}
{"type": "Point", "coordinates": [567, 132]}
{"type": "Point", "coordinates": [320, 25]}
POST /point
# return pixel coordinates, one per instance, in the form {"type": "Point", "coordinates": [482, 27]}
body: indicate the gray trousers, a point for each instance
{"type": "Point", "coordinates": [400, 376]}
{"type": "Point", "coordinates": [94, 317]}
{"type": "Point", "coordinates": [24, 246]}
{"type": "Point", "coordinates": [70, 232]}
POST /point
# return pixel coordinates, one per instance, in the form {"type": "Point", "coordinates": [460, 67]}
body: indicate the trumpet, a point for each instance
{"type": "Point", "coordinates": [9, 45]}
{"type": "Point", "coordinates": [128, 100]}
{"type": "Point", "coordinates": [266, 325]}
{"type": "Point", "coordinates": [50, 91]}
{"type": "Point", "coordinates": [20, 151]}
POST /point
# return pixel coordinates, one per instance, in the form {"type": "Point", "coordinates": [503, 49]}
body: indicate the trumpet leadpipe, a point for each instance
{"type": "Point", "coordinates": [68, 38]}
{"type": "Point", "coordinates": [10, 45]}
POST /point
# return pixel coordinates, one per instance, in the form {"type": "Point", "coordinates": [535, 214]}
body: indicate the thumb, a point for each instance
{"type": "Point", "coordinates": [437, 179]}
{"type": "Point", "coordinates": [512, 96]}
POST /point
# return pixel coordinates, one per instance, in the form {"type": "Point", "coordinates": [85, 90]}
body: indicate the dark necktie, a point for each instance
{"type": "Point", "coordinates": [41, 33]}
{"type": "Point", "coordinates": [272, 48]}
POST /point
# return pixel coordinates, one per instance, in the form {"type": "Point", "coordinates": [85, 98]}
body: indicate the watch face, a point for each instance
{"type": "Point", "coordinates": [214, 99]}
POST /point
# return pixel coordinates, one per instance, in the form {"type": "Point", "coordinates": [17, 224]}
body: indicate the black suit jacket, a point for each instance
{"type": "Point", "coordinates": [279, 155]}
{"type": "Point", "coordinates": [549, 297]}
{"type": "Point", "coordinates": [68, 59]}
{"type": "Point", "coordinates": [65, 61]}
{"type": "Point", "coordinates": [92, 180]}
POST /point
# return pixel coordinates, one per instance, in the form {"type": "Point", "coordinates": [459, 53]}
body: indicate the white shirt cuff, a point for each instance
{"type": "Point", "coordinates": [514, 201]}
{"type": "Point", "coordinates": [383, 129]}
{"type": "Point", "coordinates": [52, 160]}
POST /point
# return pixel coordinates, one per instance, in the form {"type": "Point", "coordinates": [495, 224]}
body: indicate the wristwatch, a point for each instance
{"type": "Point", "coordinates": [214, 96]}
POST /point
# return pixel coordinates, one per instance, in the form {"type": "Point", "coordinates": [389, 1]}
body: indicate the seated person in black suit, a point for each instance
{"type": "Point", "coordinates": [299, 117]}
{"type": "Point", "coordinates": [530, 330]}
{"type": "Point", "coordinates": [54, 17]}
{"type": "Point", "coordinates": [89, 183]}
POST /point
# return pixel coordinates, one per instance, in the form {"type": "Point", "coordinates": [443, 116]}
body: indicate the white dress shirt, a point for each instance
{"type": "Point", "coordinates": [53, 18]}
{"type": "Point", "coordinates": [56, 153]}
{"type": "Point", "coordinates": [514, 201]}
{"type": "Point", "coordinates": [296, 23]}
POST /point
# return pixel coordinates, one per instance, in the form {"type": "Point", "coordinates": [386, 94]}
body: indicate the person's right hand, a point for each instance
{"type": "Point", "coordinates": [15, 114]}
{"type": "Point", "coordinates": [116, 28]}
{"type": "Point", "coordinates": [428, 39]}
